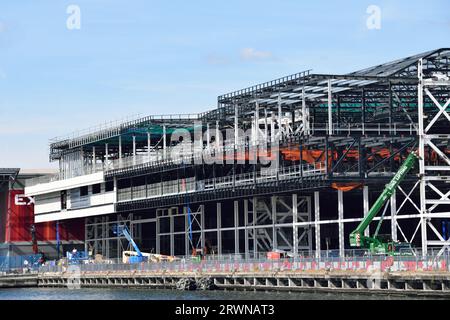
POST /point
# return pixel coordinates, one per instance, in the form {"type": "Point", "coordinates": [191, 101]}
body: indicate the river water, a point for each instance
{"type": "Point", "coordinates": [156, 294]}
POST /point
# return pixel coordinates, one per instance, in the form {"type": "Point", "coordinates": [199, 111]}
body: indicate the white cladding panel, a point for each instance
{"type": "Point", "coordinates": [65, 184]}
{"type": "Point", "coordinates": [72, 214]}
{"type": "Point", "coordinates": [50, 202]}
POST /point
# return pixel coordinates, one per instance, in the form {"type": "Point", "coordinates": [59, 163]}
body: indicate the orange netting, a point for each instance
{"type": "Point", "coordinates": [346, 187]}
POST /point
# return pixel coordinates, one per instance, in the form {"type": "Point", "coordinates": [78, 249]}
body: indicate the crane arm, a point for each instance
{"type": "Point", "coordinates": [357, 236]}
{"type": "Point", "coordinates": [127, 235]}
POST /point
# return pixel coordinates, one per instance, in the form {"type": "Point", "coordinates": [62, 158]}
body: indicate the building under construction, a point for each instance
{"type": "Point", "coordinates": [289, 165]}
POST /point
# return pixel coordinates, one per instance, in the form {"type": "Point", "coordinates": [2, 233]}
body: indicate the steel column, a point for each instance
{"type": "Point", "coordinates": [134, 149]}
{"type": "Point", "coordinates": [274, 222]}
{"type": "Point", "coordinates": [236, 126]}
{"type": "Point", "coordinates": [317, 222]}
{"type": "Point", "coordinates": [341, 223]}
{"type": "Point", "coordinates": [294, 224]}
{"type": "Point", "coordinates": [330, 109]}
{"type": "Point", "coordinates": [394, 216]}
{"type": "Point", "coordinates": [164, 143]}
{"type": "Point", "coordinates": [246, 225]}
{"type": "Point", "coordinates": [172, 230]}
{"type": "Point", "coordinates": [366, 207]}
{"type": "Point", "coordinates": [254, 223]}
{"type": "Point", "coordinates": [219, 228]}
{"type": "Point", "coordinates": [149, 145]}
{"type": "Point", "coordinates": [236, 226]}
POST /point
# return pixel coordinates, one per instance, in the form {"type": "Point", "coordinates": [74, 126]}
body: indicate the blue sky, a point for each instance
{"type": "Point", "coordinates": [159, 57]}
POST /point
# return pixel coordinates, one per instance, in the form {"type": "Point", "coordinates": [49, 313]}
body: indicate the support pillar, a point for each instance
{"type": "Point", "coordinates": [86, 248]}
{"type": "Point", "coordinates": [247, 253]}
{"type": "Point", "coordinates": [309, 208]}
{"type": "Point", "coordinates": [304, 117]}
{"type": "Point", "coordinates": [330, 109]}
{"type": "Point", "coordinates": [316, 222]}
{"type": "Point", "coordinates": [202, 226]}
{"type": "Point", "coordinates": [254, 223]}
{"type": "Point", "coordinates": [134, 150]}
{"type": "Point", "coordinates": [253, 131]}
{"type": "Point", "coordinates": [115, 190]}
{"type": "Point", "coordinates": [236, 225]}
{"type": "Point", "coordinates": [294, 224]}
{"type": "Point", "coordinates": [120, 149]}
{"type": "Point", "coordinates": [423, 182]}
{"type": "Point", "coordinates": [266, 126]}
{"type": "Point", "coordinates": [280, 115]}
{"type": "Point", "coordinates": [186, 238]}
{"type": "Point", "coordinates": [164, 143]}
{"type": "Point", "coordinates": [106, 156]}
{"type": "Point", "coordinates": [341, 223]}
{"type": "Point", "coordinates": [149, 145]}
{"type": "Point", "coordinates": [94, 159]}
{"type": "Point", "coordinates": [236, 126]}
{"type": "Point", "coordinates": [158, 243]}
{"type": "Point", "coordinates": [208, 136]}
{"type": "Point", "coordinates": [217, 138]}
{"type": "Point", "coordinates": [219, 228]}
{"type": "Point", "coordinates": [363, 109]}
{"type": "Point", "coordinates": [172, 236]}
{"type": "Point", "coordinates": [257, 123]}
{"type": "Point", "coordinates": [272, 129]}
{"type": "Point", "coordinates": [366, 208]}
{"type": "Point", "coordinates": [274, 221]}
{"type": "Point", "coordinates": [394, 216]}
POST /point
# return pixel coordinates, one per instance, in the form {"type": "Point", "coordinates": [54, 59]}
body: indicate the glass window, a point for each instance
{"type": "Point", "coordinates": [109, 186]}
{"type": "Point", "coordinates": [96, 188]}
{"type": "Point", "coordinates": [84, 191]}
{"type": "Point", "coordinates": [64, 200]}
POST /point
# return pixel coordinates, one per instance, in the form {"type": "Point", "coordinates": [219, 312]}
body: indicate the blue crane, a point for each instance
{"type": "Point", "coordinates": [123, 230]}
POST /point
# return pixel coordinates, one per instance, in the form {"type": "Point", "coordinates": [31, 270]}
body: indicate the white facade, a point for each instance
{"type": "Point", "coordinates": [78, 197]}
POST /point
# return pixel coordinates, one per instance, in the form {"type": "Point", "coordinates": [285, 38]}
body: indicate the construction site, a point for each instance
{"type": "Point", "coordinates": [309, 166]}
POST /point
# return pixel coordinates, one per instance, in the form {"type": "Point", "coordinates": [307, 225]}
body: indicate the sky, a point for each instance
{"type": "Point", "coordinates": [167, 57]}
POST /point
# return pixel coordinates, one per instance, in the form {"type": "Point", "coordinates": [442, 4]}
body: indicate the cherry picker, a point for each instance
{"type": "Point", "coordinates": [382, 244]}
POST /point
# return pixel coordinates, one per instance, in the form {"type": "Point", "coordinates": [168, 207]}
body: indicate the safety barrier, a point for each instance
{"type": "Point", "coordinates": [355, 264]}
{"type": "Point", "coordinates": [19, 263]}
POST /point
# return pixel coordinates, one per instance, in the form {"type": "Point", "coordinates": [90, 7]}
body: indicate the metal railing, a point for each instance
{"type": "Point", "coordinates": [183, 186]}
{"type": "Point", "coordinates": [293, 77]}
{"type": "Point", "coordinates": [116, 125]}
{"type": "Point", "coordinates": [96, 129]}
{"type": "Point", "coordinates": [363, 128]}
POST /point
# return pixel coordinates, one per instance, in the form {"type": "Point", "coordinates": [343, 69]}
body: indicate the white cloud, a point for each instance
{"type": "Point", "coordinates": [253, 54]}
{"type": "Point", "coordinates": [214, 59]}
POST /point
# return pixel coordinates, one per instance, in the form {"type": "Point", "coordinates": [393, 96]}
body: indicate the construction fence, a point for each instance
{"type": "Point", "coordinates": [19, 264]}
{"type": "Point", "coordinates": [355, 264]}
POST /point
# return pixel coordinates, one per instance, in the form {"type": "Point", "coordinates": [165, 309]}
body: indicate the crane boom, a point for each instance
{"type": "Point", "coordinates": [357, 238]}
{"type": "Point", "coordinates": [123, 230]}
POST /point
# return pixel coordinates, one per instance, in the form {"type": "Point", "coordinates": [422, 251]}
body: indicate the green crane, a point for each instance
{"type": "Point", "coordinates": [380, 244]}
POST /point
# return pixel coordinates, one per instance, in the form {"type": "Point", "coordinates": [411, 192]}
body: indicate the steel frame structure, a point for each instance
{"type": "Point", "coordinates": [434, 195]}
{"type": "Point", "coordinates": [360, 125]}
